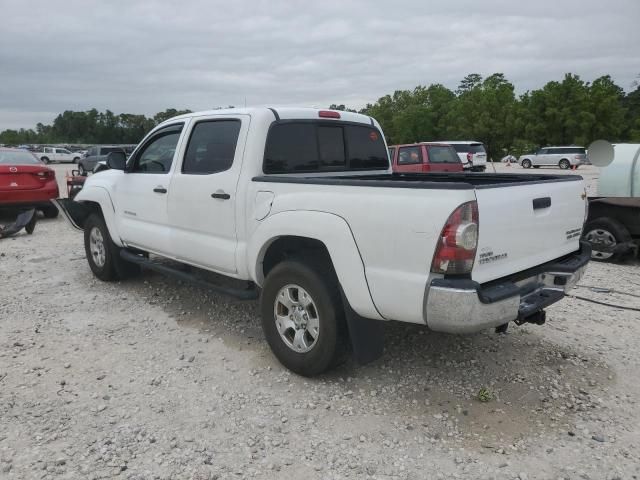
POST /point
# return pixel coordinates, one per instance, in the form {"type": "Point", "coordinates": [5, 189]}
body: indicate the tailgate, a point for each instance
{"type": "Point", "coordinates": [522, 226]}
{"type": "Point", "coordinates": [479, 159]}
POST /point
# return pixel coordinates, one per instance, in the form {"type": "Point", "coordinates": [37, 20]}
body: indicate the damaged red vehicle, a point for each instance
{"type": "Point", "coordinates": [25, 182]}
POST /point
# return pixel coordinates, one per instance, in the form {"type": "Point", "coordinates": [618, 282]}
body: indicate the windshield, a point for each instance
{"type": "Point", "coordinates": [13, 157]}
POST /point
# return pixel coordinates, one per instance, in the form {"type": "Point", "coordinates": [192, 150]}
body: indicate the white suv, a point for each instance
{"type": "Point", "coordinates": [472, 154]}
{"type": "Point", "coordinates": [563, 157]}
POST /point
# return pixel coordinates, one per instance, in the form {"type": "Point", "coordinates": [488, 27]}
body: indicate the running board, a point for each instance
{"type": "Point", "coordinates": [242, 294]}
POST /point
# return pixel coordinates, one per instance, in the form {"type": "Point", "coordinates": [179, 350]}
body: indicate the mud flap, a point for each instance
{"type": "Point", "coordinates": [366, 335]}
{"type": "Point", "coordinates": [26, 220]}
{"type": "Point", "coordinates": [75, 212]}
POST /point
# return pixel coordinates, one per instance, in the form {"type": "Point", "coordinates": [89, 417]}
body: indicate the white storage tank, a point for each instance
{"type": "Point", "coordinates": [621, 178]}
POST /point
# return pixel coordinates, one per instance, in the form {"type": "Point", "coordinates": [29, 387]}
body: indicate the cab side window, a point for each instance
{"type": "Point", "coordinates": [212, 147]}
{"type": "Point", "coordinates": [156, 156]}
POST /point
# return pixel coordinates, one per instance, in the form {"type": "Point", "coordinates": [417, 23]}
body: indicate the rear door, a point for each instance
{"type": "Point", "coordinates": [202, 195]}
{"type": "Point", "coordinates": [141, 193]}
{"type": "Point", "coordinates": [526, 225]}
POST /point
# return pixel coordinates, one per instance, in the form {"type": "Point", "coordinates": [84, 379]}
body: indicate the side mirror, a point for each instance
{"type": "Point", "coordinates": [117, 160]}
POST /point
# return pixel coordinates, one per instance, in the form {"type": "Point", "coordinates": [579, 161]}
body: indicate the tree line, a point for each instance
{"type": "Point", "coordinates": [567, 112]}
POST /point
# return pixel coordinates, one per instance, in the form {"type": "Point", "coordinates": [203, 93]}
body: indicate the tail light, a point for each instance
{"type": "Point", "coordinates": [46, 175]}
{"type": "Point", "coordinates": [469, 157]}
{"type": "Point", "coordinates": [458, 242]}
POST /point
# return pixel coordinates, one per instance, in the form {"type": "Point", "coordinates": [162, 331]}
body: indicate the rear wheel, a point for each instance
{"type": "Point", "coordinates": [526, 163]}
{"type": "Point", "coordinates": [303, 317]}
{"type": "Point", "coordinates": [606, 233]}
{"type": "Point", "coordinates": [81, 170]}
{"type": "Point", "coordinates": [564, 164]}
{"type": "Point", "coordinates": [102, 254]}
{"type": "Point", "coordinates": [76, 159]}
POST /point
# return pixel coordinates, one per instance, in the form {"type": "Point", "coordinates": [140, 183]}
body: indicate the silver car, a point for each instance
{"type": "Point", "coordinates": [563, 157]}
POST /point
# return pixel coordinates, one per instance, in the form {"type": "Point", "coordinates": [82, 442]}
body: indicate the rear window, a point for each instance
{"type": "Point", "coordinates": [18, 158]}
{"type": "Point", "coordinates": [442, 154]}
{"type": "Point", "coordinates": [469, 147]}
{"type": "Point", "coordinates": [296, 147]}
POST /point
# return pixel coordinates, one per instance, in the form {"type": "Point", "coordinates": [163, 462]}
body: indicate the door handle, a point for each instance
{"type": "Point", "coordinates": [544, 202]}
{"type": "Point", "coordinates": [160, 190]}
{"type": "Point", "coordinates": [221, 195]}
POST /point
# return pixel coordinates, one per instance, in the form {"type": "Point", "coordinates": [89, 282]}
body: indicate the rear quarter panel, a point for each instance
{"type": "Point", "coordinates": [395, 231]}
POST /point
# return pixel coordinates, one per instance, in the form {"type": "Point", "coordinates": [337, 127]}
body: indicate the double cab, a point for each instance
{"type": "Point", "coordinates": [300, 207]}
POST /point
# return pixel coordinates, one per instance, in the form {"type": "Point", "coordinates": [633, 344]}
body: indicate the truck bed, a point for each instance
{"type": "Point", "coordinates": [452, 181]}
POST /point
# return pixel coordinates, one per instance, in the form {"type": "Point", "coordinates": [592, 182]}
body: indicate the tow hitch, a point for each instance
{"type": "Point", "coordinates": [538, 318]}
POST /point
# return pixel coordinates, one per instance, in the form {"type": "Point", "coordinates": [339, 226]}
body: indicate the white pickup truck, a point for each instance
{"type": "Point", "coordinates": [57, 154]}
{"type": "Point", "coordinates": [302, 207]}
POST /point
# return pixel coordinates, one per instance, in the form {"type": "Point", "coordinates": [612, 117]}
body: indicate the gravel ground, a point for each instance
{"type": "Point", "coordinates": [151, 378]}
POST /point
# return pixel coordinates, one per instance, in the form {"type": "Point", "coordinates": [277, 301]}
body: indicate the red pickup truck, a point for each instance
{"type": "Point", "coordinates": [424, 157]}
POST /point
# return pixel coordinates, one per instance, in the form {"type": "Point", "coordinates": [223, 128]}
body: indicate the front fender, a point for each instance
{"type": "Point", "coordinates": [334, 232]}
{"type": "Point", "coordinates": [100, 195]}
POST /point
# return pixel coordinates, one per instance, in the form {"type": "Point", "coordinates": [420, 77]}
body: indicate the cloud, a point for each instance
{"type": "Point", "coordinates": [145, 56]}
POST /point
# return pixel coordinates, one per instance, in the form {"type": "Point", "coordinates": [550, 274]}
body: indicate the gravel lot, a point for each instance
{"type": "Point", "coordinates": [151, 378]}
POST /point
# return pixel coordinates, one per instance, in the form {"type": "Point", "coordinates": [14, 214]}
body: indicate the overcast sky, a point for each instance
{"type": "Point", "coordinates": [142, 56]}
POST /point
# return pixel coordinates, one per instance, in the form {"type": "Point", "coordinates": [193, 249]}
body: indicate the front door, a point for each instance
{"type": "Point", "coordinates": [141, 193]}
{"type": "Point", "coordinates": [410, 159]}
{"type": "Point", "coordinates": [202, 196]}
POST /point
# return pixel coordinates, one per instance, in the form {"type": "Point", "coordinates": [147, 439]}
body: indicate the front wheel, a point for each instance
{"type": "Point", "coordinates": [564, 164]}
{"type": "Point", "coordinates": [76, 159]}
{"type": "Point", "coordinates": [102, 254]}
{"type": "Point", "coordinates": [526, 163]}
{"type": "Point", "coordinates": [303, 317]}
{"type": "Point", "coordinates": [46, 160]}
{"type": "Point", "coordinates": [81, 170]}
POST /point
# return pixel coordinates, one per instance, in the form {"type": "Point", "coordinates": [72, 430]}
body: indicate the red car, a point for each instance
{"type": "Point", "coordinates": [25, 182]}
{"type": "Point", "coordinates": [424, 157]}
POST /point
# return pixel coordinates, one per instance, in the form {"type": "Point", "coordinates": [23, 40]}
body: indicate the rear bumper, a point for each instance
{"type": "Point", "coordinates": [465, 306]}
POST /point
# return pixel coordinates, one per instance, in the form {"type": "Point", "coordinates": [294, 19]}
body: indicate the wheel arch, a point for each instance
{"type": "Point", "coordinates": [96, 199]}
{"type": "Point", "coordinates": [299, 233]}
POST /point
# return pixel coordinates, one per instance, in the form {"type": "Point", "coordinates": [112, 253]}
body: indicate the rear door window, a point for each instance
{"type": "Point", "coordinates": [299, 146]}
{"type": "Point", "coordinates": [212, 147]}
{"type": "Point", "coordinates": [409, 155]}
{"type": "Point", "coordinates": [442, 154]}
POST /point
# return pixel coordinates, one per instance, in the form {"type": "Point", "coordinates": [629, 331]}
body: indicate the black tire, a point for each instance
{"type": "Point", "coordinates": [606, 227]}
{"type": "Point", "coordinates": [46, 160]}
{"type": "Point", "coordinates": [50, 211]}
{"type": "Point", "coordinates": [564, 164]}
{"type": "Point", "coordinates": [81, 169]}
{"type": "Point", "coordinates": [322, 285]}
{"type": "Point", "coordinates": [76, 159]}
{"type": "Point", "coordinates": [526, 163]}
{"type": "Point", "coordinates": [114, 267]}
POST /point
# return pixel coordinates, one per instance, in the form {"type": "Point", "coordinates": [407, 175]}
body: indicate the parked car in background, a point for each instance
{"type": "Point", "coordinates": [96, 154]}
{"type": "Point", "coordinates": [424, 157]}
{"type": "Point", "coordinates": [472, 154]}
{"type": "Point", "coordinates": [563, 157]}
{"type": "Point", "coordinates": [25, 182]}
{"type": "Point", "coordinates": [58, 155]}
